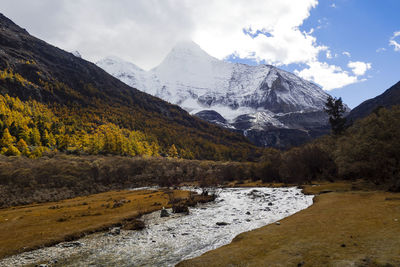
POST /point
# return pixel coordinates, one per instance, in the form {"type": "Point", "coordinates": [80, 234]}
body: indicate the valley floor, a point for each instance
{"type": "Point", "coordinates": [28, 227]}
{"type": "Point", "coordinates": [346, 226]}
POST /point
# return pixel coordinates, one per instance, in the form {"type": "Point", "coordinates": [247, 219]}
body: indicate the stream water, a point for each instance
{"type": "Point", "coordinates": [169, 240]}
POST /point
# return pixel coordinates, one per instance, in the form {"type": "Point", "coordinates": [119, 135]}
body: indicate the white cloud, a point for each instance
{"type": "Point", "coordinates": [328, 54]}
{"type": "Point", "coordinates": [379, 50]}
{"type": "Point", "coordinates": [332, 76]}
{"type": "Point", "coordinates": [220, 30]}
{"type": "Point", "coordinates": [346, 53]}
{"type": "Point", "coordinates": [329, 76]}
{"type": "Point", "coordinates": [359, 68]}
{"type": "Point", "coordinates": [322, 23]}
{"type": "Point", "coordinates": [393, 42]}
{"type": "Point", "coordinates": [333, 5]}
{"type": "Point", "coordinates": [144, 31]}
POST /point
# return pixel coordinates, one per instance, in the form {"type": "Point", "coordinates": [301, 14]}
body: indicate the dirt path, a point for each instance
{"type": "Point", "coordinates": [342, 228]}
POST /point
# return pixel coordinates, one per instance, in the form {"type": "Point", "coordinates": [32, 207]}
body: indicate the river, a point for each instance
{"type": "Point", "coordinates": [167, 241]}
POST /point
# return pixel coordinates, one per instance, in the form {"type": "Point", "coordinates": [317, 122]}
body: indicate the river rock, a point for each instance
{"type": "Point", "coordinates": [164, 213]}
{"type": "Point", "coordinates": [134, 225]}
{"type": "Point", "coordinates": [115, 231]}
{"type": "Point", "coordinates": [71, 244]}
{"type": "Point", "coordinates": [180, 209]}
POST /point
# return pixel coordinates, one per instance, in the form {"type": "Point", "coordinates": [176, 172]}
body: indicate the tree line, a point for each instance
{"type": "Point", "coordinates": [368, 149]}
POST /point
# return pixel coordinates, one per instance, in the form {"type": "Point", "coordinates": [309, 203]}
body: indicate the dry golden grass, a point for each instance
{"type": "Point", "coordinates": [327, 187]}
{"type": "Point", "coordinates": [27, 227]}
{"type": "Point", "coordinates": [342, 228]}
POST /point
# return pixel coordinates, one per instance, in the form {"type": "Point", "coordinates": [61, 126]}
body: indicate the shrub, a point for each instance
{"type": "Point", "coordinates": [306, 164]}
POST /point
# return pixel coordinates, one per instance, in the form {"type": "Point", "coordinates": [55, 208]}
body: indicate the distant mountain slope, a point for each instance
{"type": "Point", "coordinates": [247, 98]}
{"type": "Point", "coordinates": [71, 86]}
{"type": "Point", "coordinates": [389, 98]}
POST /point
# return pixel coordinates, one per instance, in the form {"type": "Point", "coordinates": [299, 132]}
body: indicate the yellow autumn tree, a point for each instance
{"type": "Point", "coordinates": [173, 152]}
{"type": "Point", "coordinates": [52, 141]}
{"type": "Point", "coordinates": [7, 139]}
{"type": "Point", "coordinates": [24, 133]}
{"type": "Point", "coordinates": [21, 145]}
{"type": "Point", "coordinates": [35, 137]}
{"type": "Point", "coordinates": [12, 151]}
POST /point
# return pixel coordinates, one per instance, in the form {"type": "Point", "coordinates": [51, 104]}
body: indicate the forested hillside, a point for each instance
{"type": "Point", "coordinates": [369, 150]}
{"type": "Point", "coordinates": [52, 99]}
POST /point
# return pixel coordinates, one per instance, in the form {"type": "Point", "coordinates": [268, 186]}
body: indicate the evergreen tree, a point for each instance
{"type": "Point", "coordinates": [335, 109]}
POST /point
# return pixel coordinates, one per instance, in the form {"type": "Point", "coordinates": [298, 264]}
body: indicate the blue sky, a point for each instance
{"type": "Point", "coordinates": [362, 28]}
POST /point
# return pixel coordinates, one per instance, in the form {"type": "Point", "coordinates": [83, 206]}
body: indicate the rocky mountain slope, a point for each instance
{"type": "Point", "coordinates": [390, 97]}
{"type": "Point", "coordinates": [270, 106]}
{"type": "Point", "coordinates": [84, 95]}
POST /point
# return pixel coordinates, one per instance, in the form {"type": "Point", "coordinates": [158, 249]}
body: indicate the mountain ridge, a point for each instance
{"type": "Point", "coordinates": [198, 82]}
{"type": "Point", "coordinates": [387, 99]}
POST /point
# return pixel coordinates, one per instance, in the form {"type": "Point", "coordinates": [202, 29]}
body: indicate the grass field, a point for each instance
{"type": "Point", "coordinates": [27, 227]}
{"type": "Point", "coordinates": [346, 226]}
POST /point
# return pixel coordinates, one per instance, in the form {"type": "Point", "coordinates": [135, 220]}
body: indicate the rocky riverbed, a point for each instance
{"type": "Point", "coordinates": [166, 241]}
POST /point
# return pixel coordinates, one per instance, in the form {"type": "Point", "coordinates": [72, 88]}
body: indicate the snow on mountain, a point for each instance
{"type": "Point", "coordinates": [196, 81]}
{"type": "Point", "coordinates": [76, 53]}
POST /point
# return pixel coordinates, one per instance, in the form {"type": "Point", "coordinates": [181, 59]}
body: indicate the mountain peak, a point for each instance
{"type": "Point", "coordinates": [187, 50]}
{"type": "Point", "coordinates": [117, 66]}
{"type": "Point", "coordinates": [238, 96]}
{"type": "Point", "coordinates": [187, 45]}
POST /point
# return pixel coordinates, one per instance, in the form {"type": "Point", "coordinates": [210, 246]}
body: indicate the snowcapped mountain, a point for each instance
{"type": "Point", "coordinates": [237, 96]}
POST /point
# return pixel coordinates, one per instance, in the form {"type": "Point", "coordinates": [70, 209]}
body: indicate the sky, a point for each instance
{"type": "Point", "coordinates": [351, 48]}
